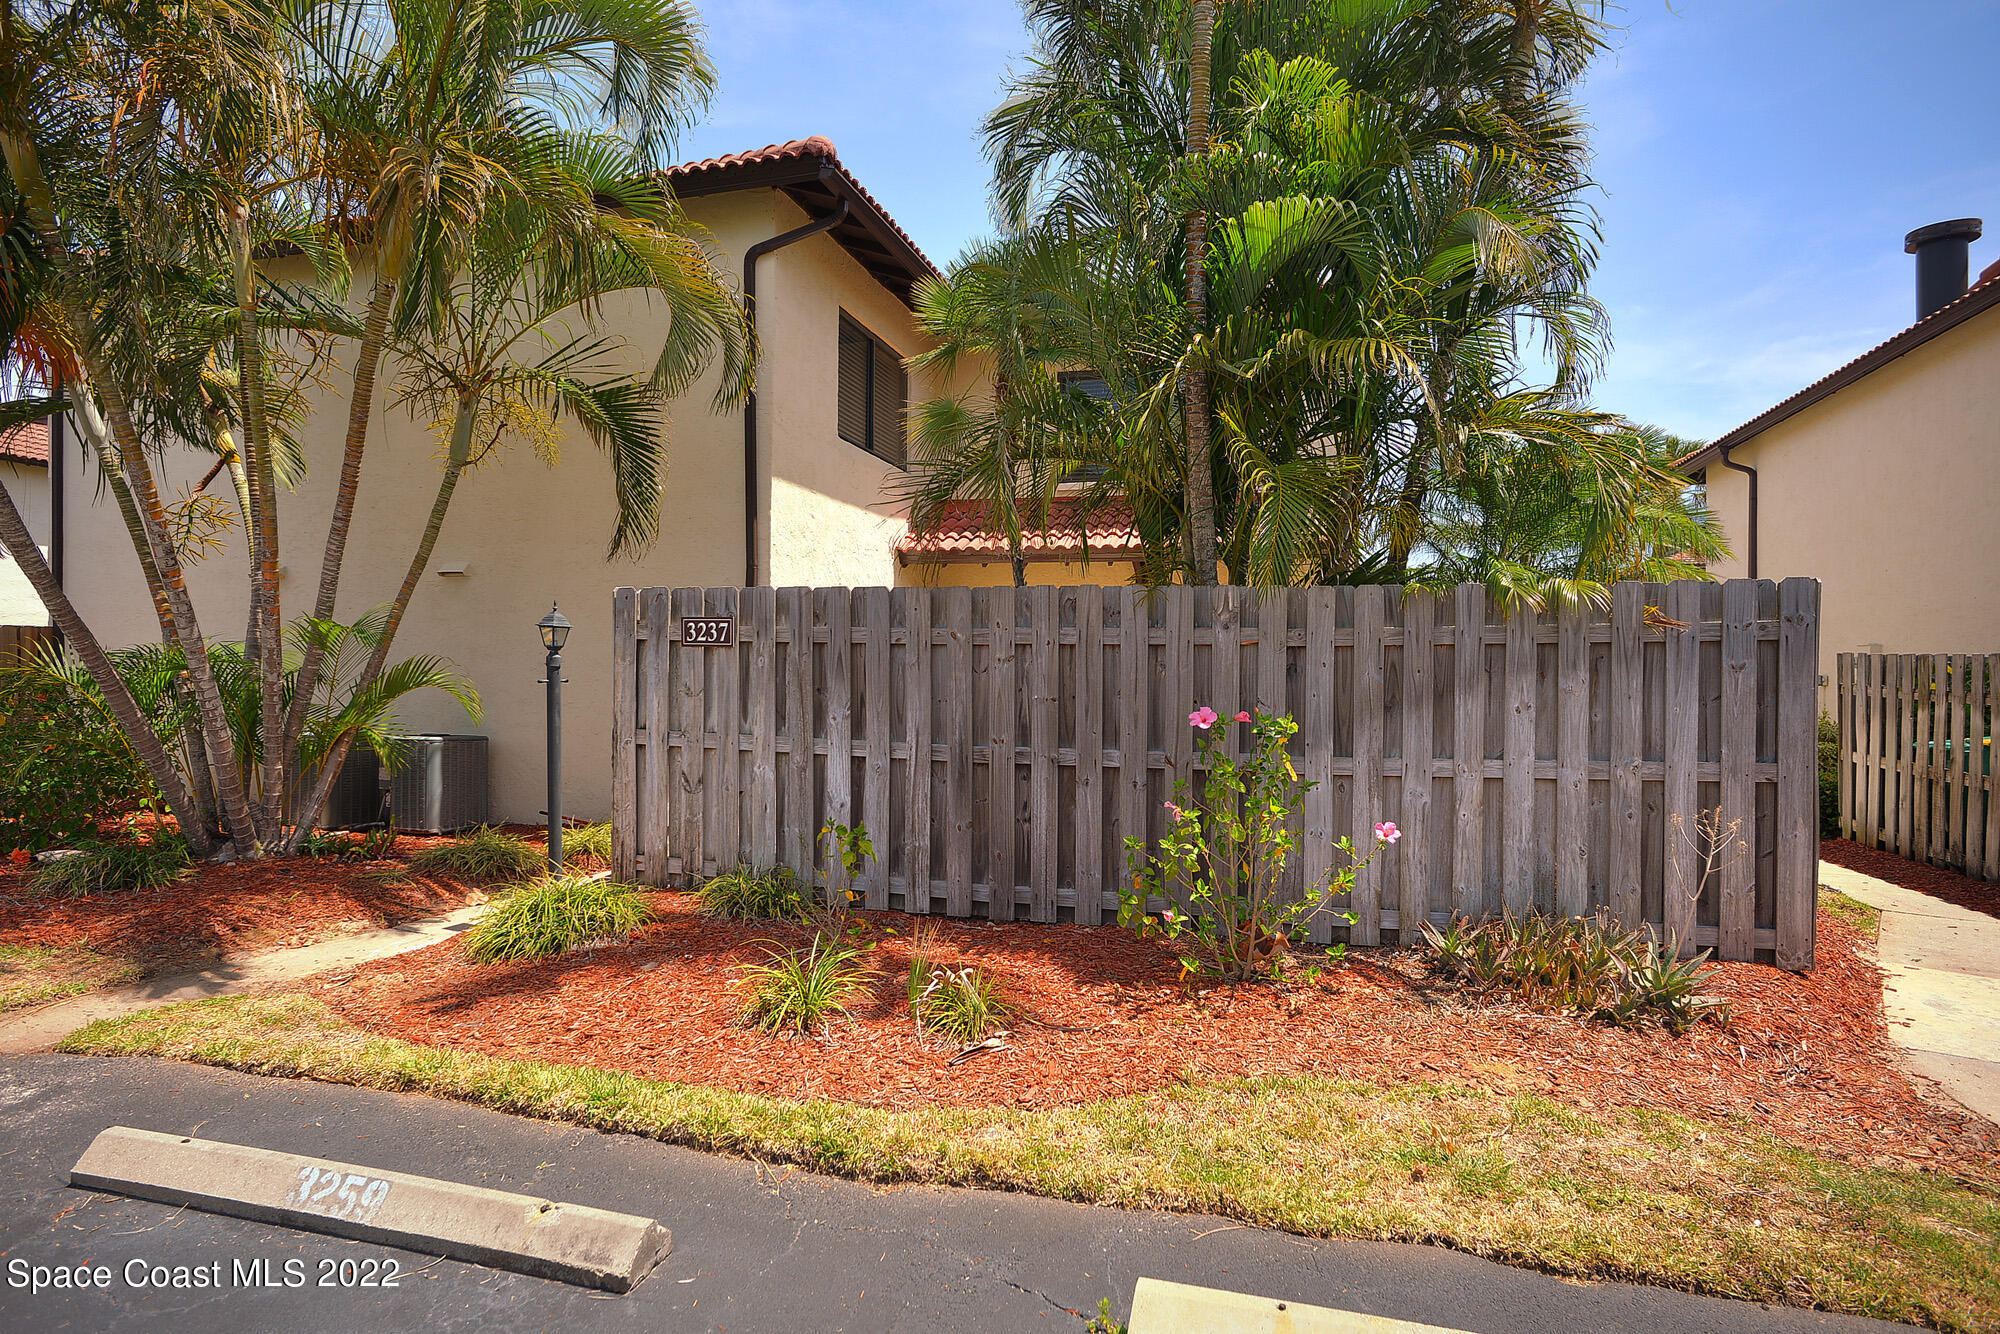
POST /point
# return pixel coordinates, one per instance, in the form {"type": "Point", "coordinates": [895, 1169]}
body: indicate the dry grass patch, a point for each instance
{"type": "Point", "coordinates": [38, 974]}
{"type": "Point", "coordinates": [1708, 1205]}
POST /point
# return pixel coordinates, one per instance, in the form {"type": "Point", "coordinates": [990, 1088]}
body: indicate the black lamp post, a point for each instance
{"type": "Point", "coordinates": [555, 632]}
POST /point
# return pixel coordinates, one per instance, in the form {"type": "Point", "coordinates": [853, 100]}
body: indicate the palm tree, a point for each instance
{"type": "Point", "coordinates": [433, 111]}
{"type": "Point", "coordinates": [508, 361]}
{"type": "Point", "coordinates": [1194, 384]}
{"type": "Point", "coordinates": [157, 159]}
{"type": "Point", "coordinates": [985, 312]}
{"type": "Point", "coordinates": [1378, 222]}
{"type": "Point", "coordinates": [1556, 503]}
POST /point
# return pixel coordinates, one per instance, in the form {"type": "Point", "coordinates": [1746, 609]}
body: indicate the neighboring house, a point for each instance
{"type": "Point", "coordinates": [967, 549]}
{"type": "Point", "coordinates": [24, 469]}
{"type": "Point", "coordinates": [1882, 479]}
{"type": "Point", "coordinates": [834, 322]}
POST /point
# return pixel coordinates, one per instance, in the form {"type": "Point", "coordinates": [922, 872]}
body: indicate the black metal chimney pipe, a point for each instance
{"type": "Point", "coordinates": [1943, 261]}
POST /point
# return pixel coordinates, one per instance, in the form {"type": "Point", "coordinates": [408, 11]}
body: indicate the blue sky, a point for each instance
{"type": "Point", "coordinates": [1759, 162]}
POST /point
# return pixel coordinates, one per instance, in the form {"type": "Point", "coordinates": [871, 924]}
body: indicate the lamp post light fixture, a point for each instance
{"type": "Point", "coordinates": [555, 632]}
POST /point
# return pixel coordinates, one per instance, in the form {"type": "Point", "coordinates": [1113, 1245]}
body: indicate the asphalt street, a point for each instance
{"type": "Point", "coordinates": [755, 1247]}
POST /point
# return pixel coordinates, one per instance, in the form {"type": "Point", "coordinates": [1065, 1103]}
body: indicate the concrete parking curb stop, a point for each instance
{"type": "Point", "coordinates": [589, 1247]}
{"type": "Point", "coordinates": [1160, 1307]}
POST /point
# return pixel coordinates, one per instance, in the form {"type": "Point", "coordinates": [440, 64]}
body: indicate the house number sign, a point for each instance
{"type": "Point", "coordinates": [708, 631]}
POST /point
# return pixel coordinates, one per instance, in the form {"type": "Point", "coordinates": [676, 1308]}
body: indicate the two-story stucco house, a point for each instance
{"type": "Point", "coordinates": [1882, 479]}
{"type": "Point", "coordinates": [795, 489]}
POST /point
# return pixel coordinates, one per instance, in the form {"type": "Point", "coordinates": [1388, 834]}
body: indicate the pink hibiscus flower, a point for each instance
{"type": "Point", "coordinates": [1203, 717]}
{"type": "Point", "coordinates": [1387, 831]}
{"type": "Point", "coordinates": [1243, 717]}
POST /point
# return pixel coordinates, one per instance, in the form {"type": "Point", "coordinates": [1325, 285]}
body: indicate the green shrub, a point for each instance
{"type": "Point", "coordinates": [63, 766]}
{"type": "Point", "coordinates": [556, 913]}
{"type": "Point", "coordinates": [588, 840]}
{"type": "Point", "coordinates": [1829, 777]}
{"type": "Point", "coordinates": [1583, 964]}
{"type": "Point", "coordinates": [484, 854]}
{"type": "Point", "coordinates": [113, 868]}
{"type": "Point", "coordinates": [798, 990]}
{"type": "Point", "coordinates": [963, 1004]}
{"type": "Point", "coordinates": [775, 893]}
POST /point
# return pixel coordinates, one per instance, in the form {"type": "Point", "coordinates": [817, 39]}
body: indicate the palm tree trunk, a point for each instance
{"type": "Point", "coordinates": [139, 733]}
{"type": "Point", "coordinates": [1194, 383]}
{"type": "Point", "coordinates": [461, 450]}
{"type": "Point", "coordinates": [265, 613]}
{"type": "Point", "coordinates": [1010, 509]}
{"type": "Point", "coordinates": [230, 789]}
{"type": "Point", "coordinates": [1519, 83]}
{"type": "Point", "coordinates": [367, 361]}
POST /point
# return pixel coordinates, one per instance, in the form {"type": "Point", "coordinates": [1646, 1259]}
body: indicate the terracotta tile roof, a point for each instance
{"type": "Point", "coordinates": [817, 145]}
{"type": "Point", "coordinates": [965, 534]}
{"type": "Point", "coordinates": [1981, 296]}
{"type": "Point", "coordinates": [26, 444]}
{"type": "Point", "coordinates": [717, 173]}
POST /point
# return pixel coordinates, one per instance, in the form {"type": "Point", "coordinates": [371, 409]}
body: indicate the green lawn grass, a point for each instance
{"type": "Point", "coordinates": [1710, 1206]}
{"type": "Point", "coordinates": [1864, 919]}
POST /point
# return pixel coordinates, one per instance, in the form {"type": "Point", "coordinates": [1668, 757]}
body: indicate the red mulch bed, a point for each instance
{"type": "Point", "coordinates": [224, 909]}
{"type": "Point", "coordinates": [1103, 1013]}
{"type": "Point", "coordinates": [1978, 895]}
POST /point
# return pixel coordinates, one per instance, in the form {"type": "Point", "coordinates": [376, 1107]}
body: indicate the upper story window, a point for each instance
{"type": "Point", "coordinates": [873, 392]}
{"type": "Point", "coordinates": [1091, 385]}
{"type": "Point", "coordinates": [1088, 383]}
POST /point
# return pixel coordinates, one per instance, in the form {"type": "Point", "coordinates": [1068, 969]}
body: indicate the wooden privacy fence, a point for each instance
{"type": "Point", "coordinates": [1916, 756]}
{"type": "Point", "coordinates": [19, 643]}
{"type": "Point", "coordinates": [1000, 744]}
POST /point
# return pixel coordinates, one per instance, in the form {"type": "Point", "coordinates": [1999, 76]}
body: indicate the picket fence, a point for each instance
{"type": "Point", "coordinates": [1001, 744]}
{"type": "Point", "coordinates": [1916, 748]}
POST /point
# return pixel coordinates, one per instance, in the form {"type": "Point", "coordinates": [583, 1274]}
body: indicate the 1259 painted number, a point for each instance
{"type": "Point", "coordinates": [336, 1194]}
{"type": "Point", "coordinates": [708, 631]}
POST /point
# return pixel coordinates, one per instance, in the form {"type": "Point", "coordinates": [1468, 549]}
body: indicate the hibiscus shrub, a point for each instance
{"type": "Point", "coordinates": [1221, 865]}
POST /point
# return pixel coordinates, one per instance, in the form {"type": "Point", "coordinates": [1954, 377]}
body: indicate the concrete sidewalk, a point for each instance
{"type": "Point", "coordinates": [1941, 985]}
{"type": "Point", "coordinates": [38, 1030]}
{"type": "Point", "coordinates": [755, 1248]}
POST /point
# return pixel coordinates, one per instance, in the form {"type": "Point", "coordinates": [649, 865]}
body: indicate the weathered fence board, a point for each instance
{"type": "Point", "coordinates": [18, 643]}
{"type": "Point", "coordinates": [1916, 756]}
{"type": "Point", "coordinates": [1002, 745]}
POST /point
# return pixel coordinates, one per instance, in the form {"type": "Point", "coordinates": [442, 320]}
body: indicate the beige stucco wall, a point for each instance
{"type": "Point", "coordinates": [1889, 493]}
{"type": "Point", "coordinates": [530, 534]}
{"type": "Point", "coordinates": [1000, 573]}
{"type": "Point", "coordinates": [29, 487]}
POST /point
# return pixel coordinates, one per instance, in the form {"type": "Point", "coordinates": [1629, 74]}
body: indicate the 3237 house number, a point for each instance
{"type": "Point", "coordinates": [708, 631]}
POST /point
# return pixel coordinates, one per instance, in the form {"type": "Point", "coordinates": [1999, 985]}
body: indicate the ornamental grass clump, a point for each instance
{"type": "Point", "coordinates": [112, 868]}
{"type": "Point", "coordinates": [484, 854]}
{"type": "Point", "coordinates": [1582, 964]}
{"type": "Point", "coordinates": [798, 990]}
{"type": "Point", "coordinates": [589, 840]}
{"type": "Point", "coordinates": [746, 893]}
{"type": "Point", "coordinates": [963, 1004]}
{"type": "Point", "coordinates": [557, 913]}
{"type": "Point", "coordinates": [1220, 868]}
